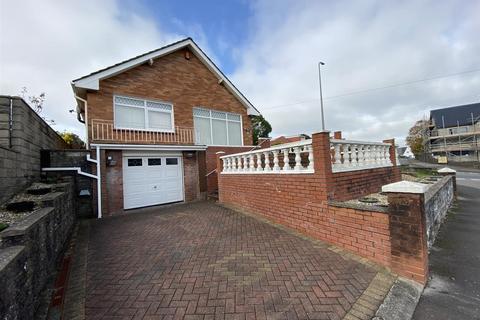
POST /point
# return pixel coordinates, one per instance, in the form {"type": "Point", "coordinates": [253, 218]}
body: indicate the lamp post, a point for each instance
{"type": "Point", "coordinates": [320, 63]}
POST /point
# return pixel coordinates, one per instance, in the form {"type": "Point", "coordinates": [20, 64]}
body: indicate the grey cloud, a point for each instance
{"type": "Point", "coordinates": [366, 44]}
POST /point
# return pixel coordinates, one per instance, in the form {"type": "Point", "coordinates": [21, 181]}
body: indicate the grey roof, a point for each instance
{"type": "Point", "coordinates": [462, 114]}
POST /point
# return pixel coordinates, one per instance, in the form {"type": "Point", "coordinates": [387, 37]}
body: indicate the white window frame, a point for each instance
{"type": "Point", "coordinates": [226, 120]}
{"type": "Point", "coordinates": [145, 111]}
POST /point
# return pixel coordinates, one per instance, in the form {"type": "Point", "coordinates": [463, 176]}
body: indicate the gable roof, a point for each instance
{"type": "Point", "coordinates": [92, 80]}
{"type": "Point", "coordinates": [462, 114]}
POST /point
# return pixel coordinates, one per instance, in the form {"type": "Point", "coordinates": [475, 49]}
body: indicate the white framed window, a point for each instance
{"type": "Point", "coordinates": [217, 128]}
{"type": "Point", "coordinates": [139, 114]}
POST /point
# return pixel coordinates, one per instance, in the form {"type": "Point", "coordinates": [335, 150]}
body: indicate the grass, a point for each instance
{"type": "Point", "coordinates": [419, 172]}
{"type": "Point", "coordinates": [3, 226]}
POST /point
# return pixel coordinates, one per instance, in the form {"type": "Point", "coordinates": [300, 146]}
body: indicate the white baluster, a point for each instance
{"type": "Point", "coordinates": [225, 165]}
{"type": "Point", "coordinates": [286, 160]}
{"type": "Point", "coordinates": [387, 155]}
{"type": "Point", "coordinates": [259, 162]}
{"type": "Point", "coordinates": [244, 163]}
{"type": "Point", "coordinates": [310, 158]}
{"type": "Point", "coordinates": [346, 156]}
{"type": "Point", "coordinates": [361, 156]}
{"type": "Point", "coordinates": [354, 153]}
{"type": "Point", "coordinates": [337, 157]}
{"type": "Point", "coordinates": [375, 155]}
{"type": "Point", "coordinates": [266, 161]}
{"type": "Point", "coordinates": [276, 167]}
{"type": "Point", "coordinates": [298, 159]}
{"type": "Point", "coordinates": [252, 162]}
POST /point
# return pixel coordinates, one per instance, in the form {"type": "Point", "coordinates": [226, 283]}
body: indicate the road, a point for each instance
{"type": "Point", "coordinates": [453, 291]}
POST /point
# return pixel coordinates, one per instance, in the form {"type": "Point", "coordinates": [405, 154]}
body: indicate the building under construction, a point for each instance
{"type": "Point", "coordinates": [454, 133]}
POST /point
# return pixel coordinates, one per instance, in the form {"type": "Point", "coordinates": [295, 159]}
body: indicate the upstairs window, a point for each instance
{"type": "Point", "coordinates": [131, 113]}
{"type": "Point", "coordinates": [217, 128]}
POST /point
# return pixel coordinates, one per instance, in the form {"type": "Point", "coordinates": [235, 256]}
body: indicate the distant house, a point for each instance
{"type": "Point", "coordinates": [288, 139]}
{"type": "Point", "coordinates": [405, 152]}
{"type": "Point", "coordinates": [454, 132]}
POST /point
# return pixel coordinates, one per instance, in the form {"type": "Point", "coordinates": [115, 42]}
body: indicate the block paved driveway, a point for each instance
{"type": "Point", "coordinates": [203, 261]}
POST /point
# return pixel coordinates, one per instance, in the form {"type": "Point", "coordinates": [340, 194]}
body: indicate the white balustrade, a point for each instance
{"type": "Point", "coordinates": [275, 160]}
{"type": "Point", "coordinates": [350, 155]}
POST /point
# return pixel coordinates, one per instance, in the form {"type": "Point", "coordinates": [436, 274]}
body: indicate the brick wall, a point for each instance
{"type": "Point", "coordinates": [354, 184]}
{"type": "Point", "coordinates": [211, 181]}
{"type": "Point", "coordinates": [186, 83]}
{"type": "Point", "coordinates": [300, 202]}
{"type": "Point", "coordinates": [20, 161]}
{"type": "Point", "coordinates": [74, 158]}
{"type": "Point", "coordinates": [394, 237]}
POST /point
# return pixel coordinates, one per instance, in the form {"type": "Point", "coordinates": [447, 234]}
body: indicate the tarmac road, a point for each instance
{"type": "Point", "coordinates": [453, 291]}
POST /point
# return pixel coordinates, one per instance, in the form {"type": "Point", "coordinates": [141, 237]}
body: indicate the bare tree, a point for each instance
{"type": "Point", "coordinates": [35, 101]}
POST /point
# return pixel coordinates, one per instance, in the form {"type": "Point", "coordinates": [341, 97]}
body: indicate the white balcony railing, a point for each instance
{"type": "Point", "coordinates": [289, 158]}
{"type": "Point", "coordinates": [104, 130]}
{"type": "Point", "coordinates": [349, 155]}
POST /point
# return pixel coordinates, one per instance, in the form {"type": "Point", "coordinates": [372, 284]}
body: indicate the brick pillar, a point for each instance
{"type": "Point", "coordinates": [408, 232]}
{"type": "Point", "coordinates": [219, 170]}
{"type": "Point", "coordinates": [322, 162]}
{"type": "Point", "coordinates": [337, 135]}
{"type": "Point", "coordinates": [264, 143]}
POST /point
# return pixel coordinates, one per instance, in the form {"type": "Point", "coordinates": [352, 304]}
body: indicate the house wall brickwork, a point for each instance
{"type": "Point", "coordinates": [186, 83]}
{"type": "Point", "coordinates": [20, 148]}
{"type": "Point", "coordinates": [191, 176]}
{"type": "Point", "coordinates": [114, 182]}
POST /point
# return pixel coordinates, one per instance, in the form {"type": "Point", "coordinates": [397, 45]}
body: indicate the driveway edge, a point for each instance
{"type": "Point", "coordinates": [74, 304]}
{"type": "Point", "coordinates": [401, 301]}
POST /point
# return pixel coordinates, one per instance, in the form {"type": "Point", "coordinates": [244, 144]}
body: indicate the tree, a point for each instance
{"type": "Point", "coordinates": [72, 140]}
{"type": "Point", "coordinates": [36, 101]}
{"type": "Point", "coordinates": [416, 137]}
{"type": "Point", "coordinates": [261, 128]}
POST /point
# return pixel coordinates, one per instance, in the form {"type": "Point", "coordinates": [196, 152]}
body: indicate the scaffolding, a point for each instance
{"type": "Point", "coordinates": [457, 144]}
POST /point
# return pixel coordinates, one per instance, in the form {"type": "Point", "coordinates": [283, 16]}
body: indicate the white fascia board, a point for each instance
{"type": "Point", "coordinates": [93, 82]}
{"type": "Point", "coordinates": [150, 147]}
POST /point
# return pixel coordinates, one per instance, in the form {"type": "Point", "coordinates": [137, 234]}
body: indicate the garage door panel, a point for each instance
{"type": "Point", "coordinates": [152, 180]}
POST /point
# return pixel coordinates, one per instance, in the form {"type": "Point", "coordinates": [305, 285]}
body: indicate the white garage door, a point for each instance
{"type": "Point", "coordinates": [151, 180]}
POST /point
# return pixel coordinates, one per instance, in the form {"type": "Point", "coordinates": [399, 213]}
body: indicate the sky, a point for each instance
{"type": "Point", "coordinates": [386, 62]}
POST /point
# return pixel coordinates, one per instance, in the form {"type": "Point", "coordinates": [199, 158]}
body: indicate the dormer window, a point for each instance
{"type": "Point", "coordinates": [148, 115]}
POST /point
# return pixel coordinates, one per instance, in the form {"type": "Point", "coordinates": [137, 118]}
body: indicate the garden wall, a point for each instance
{"type": "Point", "coordinates": [30, 250]}
{"type": "Point", "coordinates": [438, 200]}
{"type": "Point", "coordinates": [20, 147]}
{"type": "Point", "coordinates": [310, 202]}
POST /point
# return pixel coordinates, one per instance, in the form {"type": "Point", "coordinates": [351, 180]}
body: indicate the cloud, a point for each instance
{"type": "Point", "coordinates": [365, 44]}
{"type": "Point", "coordinates": [46, 44]}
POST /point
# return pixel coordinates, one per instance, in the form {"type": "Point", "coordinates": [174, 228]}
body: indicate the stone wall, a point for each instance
{"type": "Point", "coordinates": [83, 185]}
{"type": "Point", "coordinates": [20, 147]}
{"type": "Point", "coordinates": [30, 250]}
{"type": "Point", "coordinates": [438, 200]}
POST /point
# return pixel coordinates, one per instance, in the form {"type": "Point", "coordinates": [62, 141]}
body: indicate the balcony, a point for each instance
{"type": "Point", "coordinates": [104, 131]}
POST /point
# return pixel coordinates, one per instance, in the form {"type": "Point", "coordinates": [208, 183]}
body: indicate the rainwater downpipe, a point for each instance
{"type": "Point", "coordinates": [10, 124]}
{"type": "Point", "coordinates": [85, 120]}
{"type": "Point", "coordinates": [99, 183]}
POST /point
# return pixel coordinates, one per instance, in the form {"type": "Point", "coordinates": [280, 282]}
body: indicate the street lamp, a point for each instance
{"type": "Point", "coordinates": [320, 63]}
